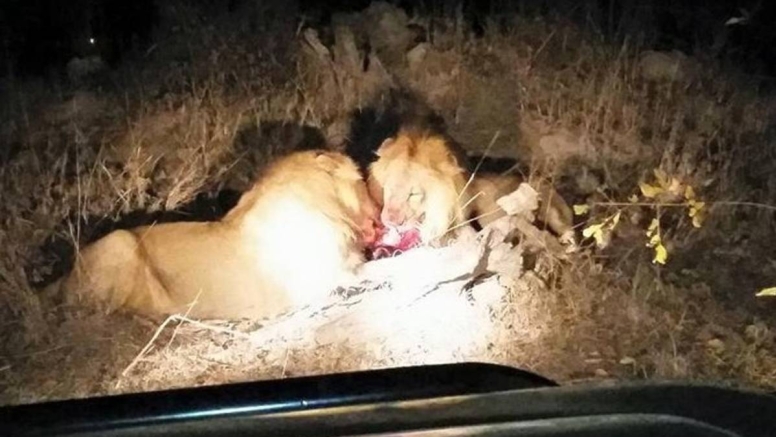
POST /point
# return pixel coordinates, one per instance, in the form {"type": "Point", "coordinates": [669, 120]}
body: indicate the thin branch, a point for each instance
{"type": "Point", "coordinates": [685, 204]}
{"type": "Point", "coordinates": [482, 158]}
{"type": "Point", "coordinates": [145, 349]}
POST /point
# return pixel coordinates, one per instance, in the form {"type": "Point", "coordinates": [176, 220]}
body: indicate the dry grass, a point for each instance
{"type": "Point", "coordinates": [194, 118]}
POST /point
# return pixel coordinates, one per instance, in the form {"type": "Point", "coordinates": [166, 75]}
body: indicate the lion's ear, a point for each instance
{"type": "Point", "coordinates": [328, 162]}
{"type": "Point", "coordinates": [453, 160]}
{"type": "Point", "coordinates": [338, 166]}
{"type": "Point", "coordinates": [387, 142]}
{"type": "Point", "coordinates": [450, 166]}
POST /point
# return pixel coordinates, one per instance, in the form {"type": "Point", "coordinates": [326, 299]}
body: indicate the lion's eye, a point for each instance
{"type": "Point", "coordinates": [415, 195]}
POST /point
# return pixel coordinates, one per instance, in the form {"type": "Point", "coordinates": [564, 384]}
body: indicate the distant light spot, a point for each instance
{"type": "Point", "coordinates": [91, 40]}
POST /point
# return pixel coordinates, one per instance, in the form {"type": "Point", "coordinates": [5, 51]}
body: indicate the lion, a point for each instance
{"type": "Point", "coordinates": [298, 233]}
{"type": "Point", "coordinates": [553, 210]}
{"type": "Point", "coordinates": [421, 183]}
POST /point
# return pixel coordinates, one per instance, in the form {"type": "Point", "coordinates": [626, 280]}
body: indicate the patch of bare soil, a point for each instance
{"type": "Point", "coordinates": [594, 119]}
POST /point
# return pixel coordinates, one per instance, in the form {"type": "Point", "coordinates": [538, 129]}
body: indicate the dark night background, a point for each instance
{"type": "Point", "coordinates": [39, 36]}
{"type": "Point", "coordinates": [190, 100]}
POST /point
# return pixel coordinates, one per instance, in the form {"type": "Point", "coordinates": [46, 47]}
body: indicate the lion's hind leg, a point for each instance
{"type": "Point", "coordinates": [113, 271]}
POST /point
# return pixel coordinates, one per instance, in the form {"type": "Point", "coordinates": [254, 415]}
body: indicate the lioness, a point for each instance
{"type": "Point", "coordinates": [292, 238]}
{"type": "Point", "coordinates": [553, 211]}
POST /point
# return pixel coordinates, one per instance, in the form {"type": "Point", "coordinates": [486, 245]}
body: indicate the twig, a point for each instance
{"type": "Point", "coordinates": [213, 328]}
{"type": "Point", "coordinates": [482, 158]}
{"type": "Point", "coordinates": [176, 318]}
{"type": "Point", "coordinates": [285, 362]}
{"type": "Point", "coordinates": [473, 219]}
{"type": "Point", "coordinates": [471, 199]}
{"type": "Point", "coordinates": [672, 204]}
{"type": "Point", "coordinates": [471, 178]}
{"type": "Point", "coordinates": [145, 349]}
{"type": "Point", "coordinates": [752, 204]}
{"type": "Point", "coordinates": [684, 204]}
{"type": "Point", "coordinates": [184, 317]}
{"type": "Point", "coordinates": [544, 44]}
{"type": "Point", "coordinates": [45, 351]}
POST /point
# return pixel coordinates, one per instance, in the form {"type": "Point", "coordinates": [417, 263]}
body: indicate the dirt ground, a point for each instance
{"type": "Point", "coordinates": [151, 140]}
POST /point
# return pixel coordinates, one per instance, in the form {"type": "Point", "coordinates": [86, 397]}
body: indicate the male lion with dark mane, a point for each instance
{"type": "Point", "coordinates": [423, 179]}
{"type": "Point", "coordinates": [291, 239]}
{"type": "Point", "coordinates": [428, 195]}
{"type": "Point", "coordinates": [421, 183]}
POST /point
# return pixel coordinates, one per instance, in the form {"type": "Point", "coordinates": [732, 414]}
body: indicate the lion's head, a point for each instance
{"type": "Point", "coordinates": [419, 181]}
{"type": "Point", "coordinates": [326, 182]}
{"type": "Point", "coordinates": [352, 194]}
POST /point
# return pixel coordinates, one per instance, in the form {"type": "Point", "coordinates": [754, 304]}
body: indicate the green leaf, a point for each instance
{"type": "Point", "coordinates": [650, 191]}
{"type": "Point", "coordinates": [653, 228]}
{"type": "Point", "coordinates": [769, 292]}
{"type": "Point", "coordinates": [592, 229]}
{"type": "Point", "coordinates": [615, 220]}
{"type": "Point", "coordinates": [581, 209]}
{"type": "Point", "coordinates": [661, 254]}
{"type": "Point", "coordinates": [696, 212]}
{"type": "Point", "coordinates": [689, 193]}
{"type": "Point", "coordinates": [662, 178]}
{"type": "Point", "coordinates": [595, 231]}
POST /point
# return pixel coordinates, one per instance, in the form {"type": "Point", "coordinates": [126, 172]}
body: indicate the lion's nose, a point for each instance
{"type": "Point", "coordinates": [392, 217]}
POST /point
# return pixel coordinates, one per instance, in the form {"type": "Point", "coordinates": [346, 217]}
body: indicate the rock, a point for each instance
{"type": "Point", "coordinates": [716, 345]}
{"type": "Point", "coordinates": [758, 333]}
{"type": "Point", "coordinates": [83, 105]}
{"type": "Point", "coordinates": [315, 46]}
{"type": "Point", "coordinates": [521, 202]}
{"type": "Point", "coordinates": [417, 55]}
{"type": "Point", "coordinates": [346, 52]}
{"type": "Point", "coordinates": [561, 145]}
{"type": "Point", "coordinates": [79, 69]}
{"type": "Point", "coordinates": [388, 27]}
{"type": "Point", "coordinates": [672, 66]}
{"type": "Point", "coordinates": [586, 182]}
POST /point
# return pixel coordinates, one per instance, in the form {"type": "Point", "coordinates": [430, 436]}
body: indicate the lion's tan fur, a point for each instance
{"type": "Point", "coordinates": [420, 177]}
{"type": "Point", "coordinates": [290, 240]}
{"type": "Point", "coordinates": [487, 188]}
